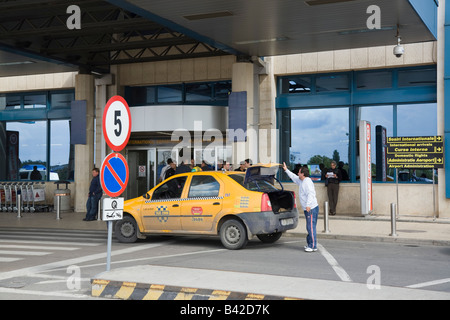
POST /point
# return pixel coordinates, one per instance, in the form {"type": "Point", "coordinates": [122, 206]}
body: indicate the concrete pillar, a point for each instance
{"type": "Point", "coordinates": [268, 134]}
{"type": "Point", "coordinates": [84, 154]}
{"type": "Point", "coordinates": [244, 79]}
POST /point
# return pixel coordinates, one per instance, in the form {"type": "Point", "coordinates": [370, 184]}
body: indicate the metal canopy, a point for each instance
{"type": "Point", "coordinates": [34, 35]}
{"type": "Point", "coordinates": [274, 27]}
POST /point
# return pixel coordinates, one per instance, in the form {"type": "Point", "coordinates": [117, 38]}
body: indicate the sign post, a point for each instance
{"type": "Point", "coordinates": [114, 172]}
{"type": "Point", "coordinates": [416, 153]}
{"type": "Point", "coordinates": [365, 163]}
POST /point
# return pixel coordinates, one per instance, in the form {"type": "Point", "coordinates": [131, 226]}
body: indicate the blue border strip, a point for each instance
{"type": "Point", "coordinates": [172, 25]}
{"type": "Point", "coordinates": [427, 11]}
{"type": "Point", "coordinates": [447, 100]}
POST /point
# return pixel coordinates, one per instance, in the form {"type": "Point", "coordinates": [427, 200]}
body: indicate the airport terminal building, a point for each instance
{"type": "Point", "coordinates": [270, 81]}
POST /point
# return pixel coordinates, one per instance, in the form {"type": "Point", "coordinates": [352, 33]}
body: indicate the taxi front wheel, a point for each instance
{"type": "Point", "coordinates": [233, 235]}
{"type": "Point", "coordinates": [126, 230]}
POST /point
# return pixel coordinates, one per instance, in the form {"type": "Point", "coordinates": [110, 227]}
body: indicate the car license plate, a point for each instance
{"type": "Point", "coordinates": [287, 222]}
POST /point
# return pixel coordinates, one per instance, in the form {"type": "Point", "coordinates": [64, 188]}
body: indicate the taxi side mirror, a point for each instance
{"type": "Point", "coordinates": [146, 196]}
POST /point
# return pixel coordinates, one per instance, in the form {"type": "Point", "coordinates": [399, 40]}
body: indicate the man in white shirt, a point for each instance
{"type": "Point", "coordinates": [308, 200]}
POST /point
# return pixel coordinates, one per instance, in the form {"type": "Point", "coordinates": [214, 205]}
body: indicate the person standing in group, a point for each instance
{"type": "Point", "coordinates": [334, 177]}
{"type": "Point", "coordinates": [308, 200]}
{"type": "Point", "coordinates": [94, 196]}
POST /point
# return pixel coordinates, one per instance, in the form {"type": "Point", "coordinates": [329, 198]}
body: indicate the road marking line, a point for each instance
{"type": "Point", "coordinates": [2, 259]}
{"type": "Point", "coordinates": [429, 283]}
{"type": "Point", "coordinates": [44, 293]}
{"type": "Point", "coordinates": [334, 264]}
{"type": "Point", "coordinates": [24, 253]}
{"type": "Point", "coordinates": [75, 261]}
{"type": "Point", "coordinates": [14, 246]}
{"type": "Point", "coordinates": [51, 242]}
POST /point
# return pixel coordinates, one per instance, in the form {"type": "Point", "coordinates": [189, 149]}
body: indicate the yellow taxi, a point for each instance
{"type": "Point", "coordinates": [234, 205]}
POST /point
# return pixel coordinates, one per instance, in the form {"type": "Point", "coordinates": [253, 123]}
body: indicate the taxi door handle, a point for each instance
{"type": "Point", "coordinates": [175, 205]}
{"type": "Point", "coordinates": [216, 204]}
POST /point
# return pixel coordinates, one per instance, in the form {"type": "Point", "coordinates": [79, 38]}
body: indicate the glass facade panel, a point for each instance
{"type": "Point", "coordinates": [41, 139]}
{"type": "Point", "coordinates": [374, 80]}
{"type": "Point", "coordinates": [333, 83]}
{"type": "Point", "coordinates": [319, 136]}
{"type": "Point", "coordinates": [31, 148]}
{"type": "Point", "coordinates": [296, 85]}
{"type": "Point", "coordinates": [61, 100]}
{"type": "Point", "coordinates": [415, 120]}
{"type": "Point", "coordinates": [222, 90]}
{"type": "Point", "coordinates": [417, 78]}
{"type": "Point", "coordinates": [198, 92]}
{"type": "Point", "coordinates": [60, 151]}
{"type": "Point", "coordinates": [10, 102]}
{"type": "Point", "coordinates": [316, 128]}
{"type": "Point", "coordinates": [170, 93]}
{"type": "Point", "coordinates": [35, 101]}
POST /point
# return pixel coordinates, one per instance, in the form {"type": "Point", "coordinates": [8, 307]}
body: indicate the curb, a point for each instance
{"type": "Point", "coordinates": [386, 239]}
{"type": "Point", "coordinates": [140, 291]}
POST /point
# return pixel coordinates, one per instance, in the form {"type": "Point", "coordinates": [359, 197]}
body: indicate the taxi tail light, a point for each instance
{"type": "Point", "coordinates": [266, 205]}
{"type": "Point", "coordinates": [295, 200]}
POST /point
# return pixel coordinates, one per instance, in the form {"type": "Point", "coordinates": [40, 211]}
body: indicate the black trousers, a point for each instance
{"type": "Point", "coordinates": [333, 195]}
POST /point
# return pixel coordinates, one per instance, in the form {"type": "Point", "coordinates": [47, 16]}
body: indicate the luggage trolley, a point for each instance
{"type": "Point", "coordinates": [3, 196]}
{"type": "Point", "coordinates": [9, 196]}
{"type": "Point", "coordinates": [38, 194]}
{"type": "Point", "coordinates": [15, 197]}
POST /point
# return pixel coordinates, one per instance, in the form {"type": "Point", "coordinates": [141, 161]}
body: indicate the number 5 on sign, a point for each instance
{"type": "Point", "coordinates": [117, 123]}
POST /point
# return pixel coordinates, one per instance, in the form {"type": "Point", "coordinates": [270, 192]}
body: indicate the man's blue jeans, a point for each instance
{"type": "Point", "coordinates": [311, 222]}
{"type": "Point", "coordinates": [92, 206]}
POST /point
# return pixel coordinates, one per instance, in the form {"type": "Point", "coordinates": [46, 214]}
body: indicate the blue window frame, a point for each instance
{"type": "Point", "coordinates": [41, 122]}
{"type": "Point", "coordinates": [311, 107]}
{"type": "Point", "coordinates": [195, 93]}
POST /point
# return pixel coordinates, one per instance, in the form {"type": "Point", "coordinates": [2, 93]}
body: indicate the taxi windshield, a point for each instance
{"type": "Point", "coordinates": [254, 185]}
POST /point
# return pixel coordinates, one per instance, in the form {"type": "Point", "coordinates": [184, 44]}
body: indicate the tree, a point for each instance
{"type": "Point", "coordinates": [336, 156]}
{"type": "Point", "coordinates": [317, 159]}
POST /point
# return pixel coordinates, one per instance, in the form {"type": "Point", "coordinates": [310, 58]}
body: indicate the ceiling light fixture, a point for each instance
{"type": "Point", "coordinates": [210, 15]}
{"type": "Point", "coordinates": [6, 64]}
{"type": "Point", "coordinates": [322, 2]}
{"type": "Point", "coordinates": [262, 40]}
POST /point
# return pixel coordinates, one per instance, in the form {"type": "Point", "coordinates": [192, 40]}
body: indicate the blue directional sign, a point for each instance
{"type": "Point", "coordinates": [114, 174]}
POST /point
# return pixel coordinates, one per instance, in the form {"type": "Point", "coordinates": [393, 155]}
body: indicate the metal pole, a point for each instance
{"type": "Point", "coordinates": [398, 207]}
{"type": "Point", "coordinates": [325, 217]}
{"type": "Point", "coordinates": [108, 248]}
{"type": "Point", "coordinates": [58, 207]}
{"type": "Point", "coordinates": [434, 197]}
{"type": "Point", "coordinates": [393, 220]}
{"type": "Point", "coordinates": [19, 206]}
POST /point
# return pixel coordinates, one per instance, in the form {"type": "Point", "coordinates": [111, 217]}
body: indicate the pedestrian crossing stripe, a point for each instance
{"type": "Point", "coordinates": [137, 291]}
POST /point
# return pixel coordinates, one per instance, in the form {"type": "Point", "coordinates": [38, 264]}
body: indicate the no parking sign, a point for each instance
{"type": "Point", "coordinates": [114, 171]}
{"type": "Point", "coordinates": [114, 174]}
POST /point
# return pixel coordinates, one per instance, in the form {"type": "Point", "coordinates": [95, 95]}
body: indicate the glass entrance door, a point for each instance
{"type": "Point", "coordinates": [142, 171]}
{"type": "Point", "coordinates": [162, 156]}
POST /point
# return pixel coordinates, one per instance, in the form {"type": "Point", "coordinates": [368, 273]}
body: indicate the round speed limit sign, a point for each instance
{"type": "Point", "coordinates": [117, 123]}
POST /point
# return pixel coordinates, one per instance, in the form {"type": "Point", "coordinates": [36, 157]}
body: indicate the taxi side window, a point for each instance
{"type": "Point", "coordinates": [172, 189]}
{"type": "Point", "coordinates": [204, 186]}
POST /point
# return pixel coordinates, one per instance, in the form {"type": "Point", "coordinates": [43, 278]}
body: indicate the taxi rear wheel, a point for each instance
{"type": "Point", "coordinates": [233, 234]}
{"type": "Point", "coordinates": [126, 230]}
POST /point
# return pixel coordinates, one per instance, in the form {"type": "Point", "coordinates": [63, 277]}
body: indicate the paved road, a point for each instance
{"type": "Point", "coordinates": [49, 264]}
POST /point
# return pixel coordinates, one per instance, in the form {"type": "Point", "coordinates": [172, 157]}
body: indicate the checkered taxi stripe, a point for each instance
{"type": "Point", "coordinates": [137, 291]}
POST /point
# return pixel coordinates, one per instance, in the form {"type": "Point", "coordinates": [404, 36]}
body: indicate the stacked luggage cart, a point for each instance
{"type": "Point", "coordinates": [32, 195]}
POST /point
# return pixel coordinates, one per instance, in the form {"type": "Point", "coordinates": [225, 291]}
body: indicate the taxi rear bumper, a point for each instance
{"type": "Point", "coordinates": [267, 222]}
